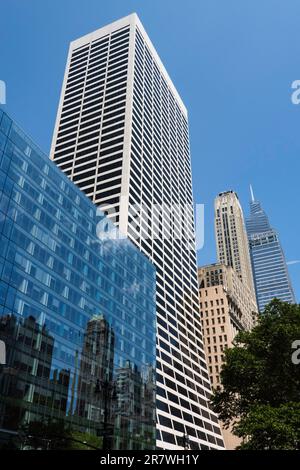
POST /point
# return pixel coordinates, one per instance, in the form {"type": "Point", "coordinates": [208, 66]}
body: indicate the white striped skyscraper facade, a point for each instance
{"type": "Point", "coordinates": [122, 136]}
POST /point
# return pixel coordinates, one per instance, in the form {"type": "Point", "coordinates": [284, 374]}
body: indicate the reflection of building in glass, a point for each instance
{"type": "Point", "coordinates": [133, 409]}
{"type": "Point", "coordinates": [148, 393]}
{"type": "Point", "coordinates": [25, 378]}
{"type": "Point", "coordinates": [96, 368]}
{"type": "Point", "coordinates": [56, 275]}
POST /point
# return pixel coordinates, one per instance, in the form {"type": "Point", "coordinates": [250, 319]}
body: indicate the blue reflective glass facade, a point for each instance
{"type": "Point", "coordinates": [270, 271]}
{"type": "Point", "coordinates": [77, 307]}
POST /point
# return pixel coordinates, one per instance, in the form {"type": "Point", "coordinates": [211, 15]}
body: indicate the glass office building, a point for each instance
{"type": "Point", "coordinates": [268, 261]}
{"type": "Point", "coordinates": [77, 308]}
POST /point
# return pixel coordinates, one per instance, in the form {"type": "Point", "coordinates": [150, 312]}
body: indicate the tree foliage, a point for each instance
{"type": "Point", "coordinates": [56, 435]}
{"type": "Point", "coordinates": [260, 392]}
{"type": "Point", "coordinates": [271, 428]}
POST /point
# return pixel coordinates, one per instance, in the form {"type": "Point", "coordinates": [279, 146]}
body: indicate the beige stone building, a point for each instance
{"type": "Point", "coordinates": [227, 306]}
{"type": "Point", "coordinates": [231, 237]}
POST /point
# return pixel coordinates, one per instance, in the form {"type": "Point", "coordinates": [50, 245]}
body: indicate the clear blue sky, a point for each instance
{"type": "Point", "coordinates": [233, 63]}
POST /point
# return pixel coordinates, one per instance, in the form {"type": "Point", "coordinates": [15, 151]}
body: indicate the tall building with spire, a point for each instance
{"type": "Point", "coordinates": [268, 261]}
{"type": "Point", "coordinates": [122, 136]}
{"type": "Point", "coordinates": [231, 237]}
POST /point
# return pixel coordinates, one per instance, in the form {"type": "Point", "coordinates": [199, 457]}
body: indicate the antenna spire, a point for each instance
{"type": "Point", "coordinates": [252, 194]}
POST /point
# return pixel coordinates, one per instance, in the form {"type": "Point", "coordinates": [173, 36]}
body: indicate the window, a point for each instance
{"type": "Point", "coordinates": [165, 421]}
{"type": "Point", "coordinates": [162, 406]}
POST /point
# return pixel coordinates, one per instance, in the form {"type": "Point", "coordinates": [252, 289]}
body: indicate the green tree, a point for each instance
{"type": "Point", "coordinates": [57, 435]}
{"type": "Point", "coordinates": [260, 392]}
{"type": "Point", "coordinates": [84, 441]}
{"type": "Point", "coordinates": [271, 428]}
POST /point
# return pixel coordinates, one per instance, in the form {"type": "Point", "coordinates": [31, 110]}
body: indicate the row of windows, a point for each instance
{"type": "Point", "coordinates": [148, 149]}
{"type": "Point", "coordinates": [169, 287]}
{"type": "Point", "coordinates": [111, 85]}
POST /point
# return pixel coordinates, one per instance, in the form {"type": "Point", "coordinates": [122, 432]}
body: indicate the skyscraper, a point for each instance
{"type": "Point", "coordinates": [231, 237]}
{"type": "Point", "coordinates": [269, 266]}
{"type": "Point", "coordinates": [121, 135]}
{"type": "Point", "coordinates": [227, 306]}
